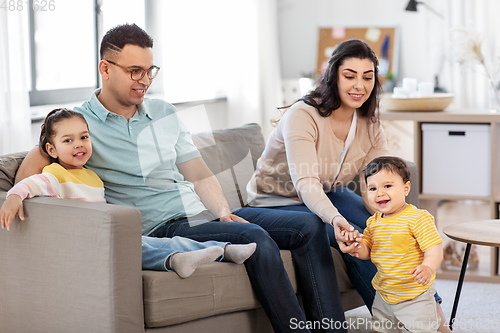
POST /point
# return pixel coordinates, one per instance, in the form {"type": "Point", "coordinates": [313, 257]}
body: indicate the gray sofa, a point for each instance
{"type": "Point", "coordinates": [76, 267]}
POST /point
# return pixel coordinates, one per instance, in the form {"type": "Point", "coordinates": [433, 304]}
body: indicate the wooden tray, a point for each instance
{"type": "Point", "coordinates": [437, 102]}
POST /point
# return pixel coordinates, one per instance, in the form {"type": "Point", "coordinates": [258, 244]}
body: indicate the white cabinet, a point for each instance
{"type": "Point", "coordinates": [456, 159]}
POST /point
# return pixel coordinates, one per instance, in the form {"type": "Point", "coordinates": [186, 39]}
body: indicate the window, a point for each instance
{"type": "Point", "coordinates": [192, 47]}
{"type": "Point", "coordinates": [194, 37]}
{"type": "Point", "coordinates": [64, 45]}
{"type": "Point", "coordinates": [63, 51]}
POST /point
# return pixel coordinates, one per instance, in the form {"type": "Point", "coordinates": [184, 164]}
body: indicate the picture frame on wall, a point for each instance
{"type": "Point", "coordinates": [383, 40]}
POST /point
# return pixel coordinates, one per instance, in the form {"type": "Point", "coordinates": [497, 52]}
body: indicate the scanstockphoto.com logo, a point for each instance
{"type": "Point", "coordinates": [360, 323]}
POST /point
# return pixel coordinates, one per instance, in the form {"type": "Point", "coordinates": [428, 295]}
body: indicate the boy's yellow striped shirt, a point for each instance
{"type": "Point", "coordinates": [397, 246]}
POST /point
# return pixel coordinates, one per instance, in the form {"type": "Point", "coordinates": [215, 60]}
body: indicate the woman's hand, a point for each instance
{"type": "Point", "coordinates": [344, 232]}
{"type": "Point", "coordinates": [347, 237]}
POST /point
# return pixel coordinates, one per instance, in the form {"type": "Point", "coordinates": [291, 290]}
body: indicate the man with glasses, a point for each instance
{"type": "Point", "coordinates": [146, 159]}
{"type": "Point", "coordinates": [138, 73]}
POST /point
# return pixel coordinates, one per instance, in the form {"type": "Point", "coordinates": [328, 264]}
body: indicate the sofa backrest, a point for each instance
{"type": "Point", "coordinates": [8, 168]}
{"type": "Point", "coordinates": [231, 154]}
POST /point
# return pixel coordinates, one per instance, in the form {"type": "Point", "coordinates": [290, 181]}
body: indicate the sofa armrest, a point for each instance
{"type": "Point", "coordinates": [71, 266]}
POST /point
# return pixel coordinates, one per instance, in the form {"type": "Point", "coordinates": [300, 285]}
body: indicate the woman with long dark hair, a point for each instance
{"type": "Point", "coordinates": [320, 144]}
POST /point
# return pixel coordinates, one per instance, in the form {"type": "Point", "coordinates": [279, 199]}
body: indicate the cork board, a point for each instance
{"type": "Point", "coordinates": [381, 40]}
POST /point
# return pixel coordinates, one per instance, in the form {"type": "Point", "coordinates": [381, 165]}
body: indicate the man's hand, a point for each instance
{"type": "Point", "coordinates": [232, 218]}
{"type": "Point", "coordinates": [13, 205]}
{"type": "Point", "coordinates": [423, 274]}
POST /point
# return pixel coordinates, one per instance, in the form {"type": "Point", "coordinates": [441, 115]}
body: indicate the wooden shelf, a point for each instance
{"type": "Point", "coordinates": [469, 116]}
{"type": "Point", "coordinates": [469, 276]}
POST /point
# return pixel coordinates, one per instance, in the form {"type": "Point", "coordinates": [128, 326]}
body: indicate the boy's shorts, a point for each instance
{"type": "Point", "coordinates": [415, 315]}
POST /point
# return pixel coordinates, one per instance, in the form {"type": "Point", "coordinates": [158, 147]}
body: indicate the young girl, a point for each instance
{"type": "Point", "coordinates": [65, 138]}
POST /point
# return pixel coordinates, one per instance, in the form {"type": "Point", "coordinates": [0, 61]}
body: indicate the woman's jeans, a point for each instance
{"type": "Point", "coordinates": [301, 233]}
{"type": "Point", "coordinates": [155, 251]}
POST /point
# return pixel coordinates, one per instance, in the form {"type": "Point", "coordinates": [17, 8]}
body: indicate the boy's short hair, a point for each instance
{"type": "Point", "coordinates": [390, 163]}
{"type": "Point", "coordinates": [116, 38]}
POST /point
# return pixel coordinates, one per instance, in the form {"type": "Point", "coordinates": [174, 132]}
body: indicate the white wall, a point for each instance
{"type": "Point", "coordinates": [422, 39]}
{"type": "Point", "coordinates": [299, 21]}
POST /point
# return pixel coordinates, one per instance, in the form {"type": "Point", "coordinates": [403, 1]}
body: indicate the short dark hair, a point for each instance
{"type": "Point", "coordinates": [48, 132]}
{"type": "Point", "coordinates": [327, 91]}
{"type": "Point", "coordinates": [390, 163]}
{"type": "Point", "coordinates": [116, 38]}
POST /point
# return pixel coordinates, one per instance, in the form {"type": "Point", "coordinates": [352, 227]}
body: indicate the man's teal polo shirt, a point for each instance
{"type": "Point", "coordinates": [137, 159]}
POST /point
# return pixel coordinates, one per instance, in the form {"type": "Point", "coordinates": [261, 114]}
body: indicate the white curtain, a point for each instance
{"type": "Point", "coordinates": [469, 81]}
{"type": "Point", "coordinates": [254, 90]}
{"type": "Point", "coordinates": [15, 123]}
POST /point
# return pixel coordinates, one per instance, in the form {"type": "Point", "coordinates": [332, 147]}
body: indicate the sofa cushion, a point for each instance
{"type": "Point", "coordinates": [8, 169]}
{"type": "Point", "coordinates": [212, 289]}
{"type": "Point", "coordinates": [215, 289]}
{"type": "Point", "coordinates": [231, 154]}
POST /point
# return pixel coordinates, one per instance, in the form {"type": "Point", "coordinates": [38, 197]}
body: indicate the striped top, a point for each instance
{"type": "Point", "coordinates": [397, 246]}
{"type": "Point", "coordinates": [58, 182]}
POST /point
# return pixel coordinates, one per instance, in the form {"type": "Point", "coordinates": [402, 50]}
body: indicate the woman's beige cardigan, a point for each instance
{"type": "Point", "coordinates": [301, 158]}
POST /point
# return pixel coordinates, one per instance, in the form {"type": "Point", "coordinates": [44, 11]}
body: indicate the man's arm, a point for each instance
{"type": "Point", "coordinates": [208, 189]}
{"type": "Point", "coordinates": [32, 164]}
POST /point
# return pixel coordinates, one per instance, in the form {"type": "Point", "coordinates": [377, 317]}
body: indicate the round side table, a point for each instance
{"type": "Point", "coordinates": [485, 232]}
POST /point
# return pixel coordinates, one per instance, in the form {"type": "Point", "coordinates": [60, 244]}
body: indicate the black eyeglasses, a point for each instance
{"type": "Point", "coordinates": [137, 74]}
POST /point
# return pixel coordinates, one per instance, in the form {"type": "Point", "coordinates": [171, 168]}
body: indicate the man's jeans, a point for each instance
{"type": "Point", "coordinates": [155, 251]}
{"type": "Point", "coordinates": [301, 233]}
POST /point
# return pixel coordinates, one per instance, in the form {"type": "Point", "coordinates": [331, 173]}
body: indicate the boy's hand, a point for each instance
{"type": "Point", "coordinates": [351, 247]}
{"type": "Point", "coordinates": [344, 232]}
{"type": "Point", "coordinates": [423, 274]}
{"type": "Point", "coordinates": [351, 236]}
{"type": "Point", "coordinates": [13, 205]}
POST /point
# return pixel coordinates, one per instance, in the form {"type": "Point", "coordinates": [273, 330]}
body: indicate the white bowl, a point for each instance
{"type": "Point", "coordinates": [436, 102]}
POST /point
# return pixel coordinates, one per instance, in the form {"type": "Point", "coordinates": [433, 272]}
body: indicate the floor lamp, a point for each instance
{"type": "Point", "coordinates": [412, 7]}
